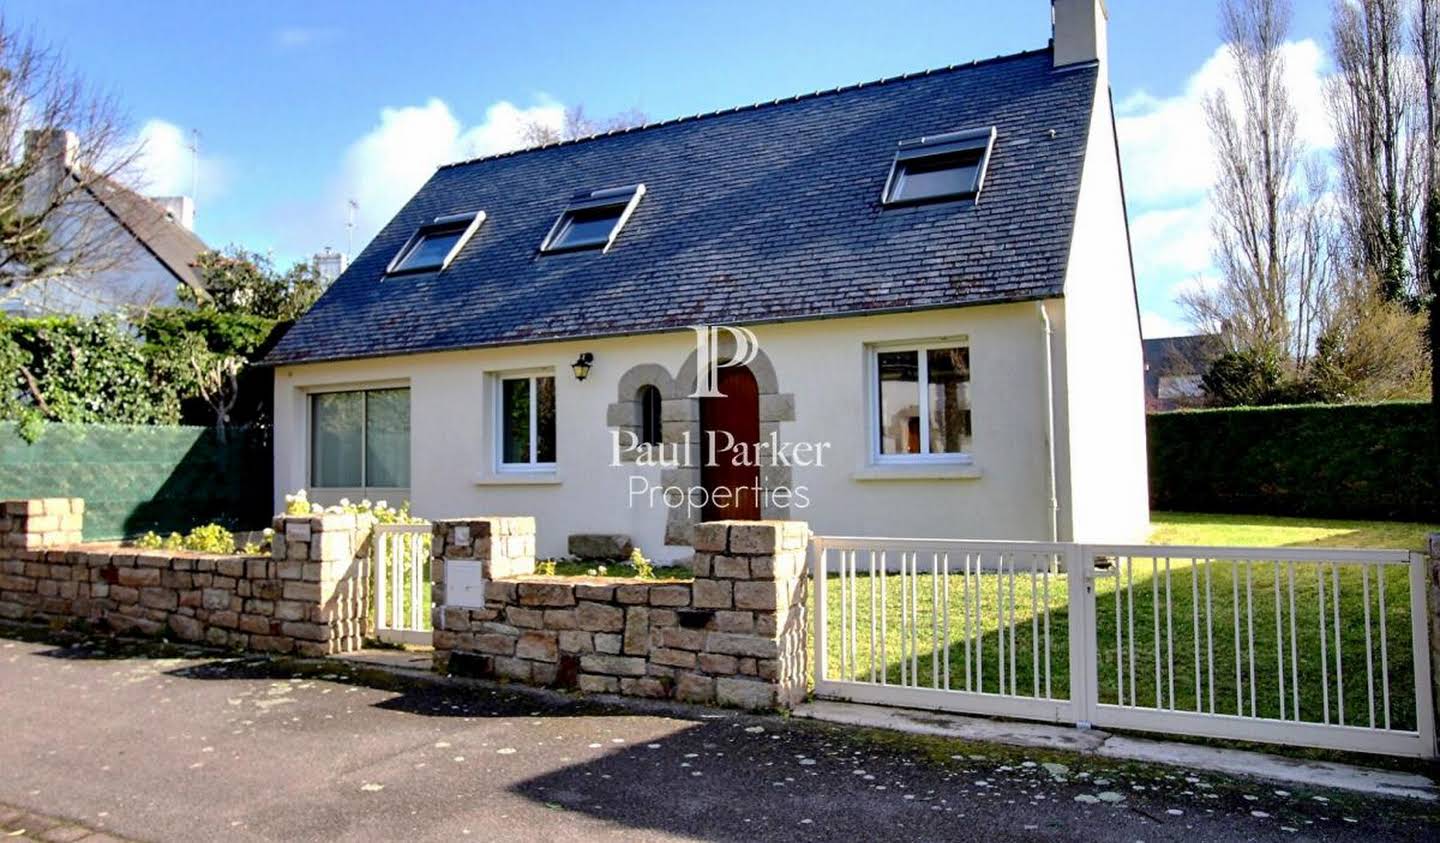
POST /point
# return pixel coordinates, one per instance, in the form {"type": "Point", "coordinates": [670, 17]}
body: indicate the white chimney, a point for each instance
{"type": "Point", "coordinates": [57, 146]}
{"type": "Point", "coordinates": [331, 264]}
{"type": "Point", "coordinates": [181, 209]}
{"type": "Point", "coordinates": [50, 154]}
{"type": "Point", "coordinates": [1078, 31]}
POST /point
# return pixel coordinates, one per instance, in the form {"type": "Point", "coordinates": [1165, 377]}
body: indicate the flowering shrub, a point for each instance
{"type": "Point", "coordinates": [299, 503]}
{"type": "Point", "coordinates": [643, 569]}
{"type": "Point", "coordinates": [211, 538]}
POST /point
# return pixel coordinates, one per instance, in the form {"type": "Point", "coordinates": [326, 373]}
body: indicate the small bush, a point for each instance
{"type": "Point", "coordinates": [545, 567]}
{"type": "Point", "coordinates": [299, 503]}
{"type": "Point", "coordinates": [643, 569]}
{"type": "Point", "coordinates": [211, 538]}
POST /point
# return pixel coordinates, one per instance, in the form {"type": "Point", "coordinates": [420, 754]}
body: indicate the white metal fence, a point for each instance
{"type": "Point", "coordinates": [1325, 648]}
{"type": "Point", "coordinates": [400, 559]}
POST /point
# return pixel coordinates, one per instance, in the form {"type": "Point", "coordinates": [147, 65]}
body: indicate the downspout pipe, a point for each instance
{"type": "Point", "coordinates": [1050, 482]}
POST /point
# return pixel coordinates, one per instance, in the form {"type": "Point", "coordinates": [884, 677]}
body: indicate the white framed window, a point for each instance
{"type": "Point", "coordinates": [593, 219]}
{"type": "Point", "coordinates": [920, 402]}
{"type": "Point", "coordinates": [434, 245]}
{"type": "Point", "coordinates": [360, 439]}
{"type": "Point", "coordinates": [525, 421]}
{"type": "Point", "coordinates": [939, 167]}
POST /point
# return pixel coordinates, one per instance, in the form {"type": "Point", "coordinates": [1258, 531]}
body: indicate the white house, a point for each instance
{"type": "Point", "coordinates": [934, 268]}
{"type": "Point", "coordinates": [144, 248]}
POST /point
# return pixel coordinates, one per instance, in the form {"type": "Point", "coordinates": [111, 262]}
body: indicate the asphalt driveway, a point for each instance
{"type": "Point", "coordinates": [185, 745]}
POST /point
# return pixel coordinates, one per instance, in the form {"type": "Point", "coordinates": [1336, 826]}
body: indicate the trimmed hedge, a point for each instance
{"type": "Point", "coordinates": [1317, 460]}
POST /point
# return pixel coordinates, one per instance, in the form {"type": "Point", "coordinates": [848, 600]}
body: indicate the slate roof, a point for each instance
{"type": "Point", "coordinates": [1177, 356]}
{"type": "Point", "coordinates": [176, 247]}
{"type": "Point", "coordinates": [763, 213]}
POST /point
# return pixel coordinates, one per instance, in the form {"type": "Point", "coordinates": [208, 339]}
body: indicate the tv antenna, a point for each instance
{"type": "Point", "coordinates": [194, 147]}
{"type": "Point", "coordinates": [351, 207]}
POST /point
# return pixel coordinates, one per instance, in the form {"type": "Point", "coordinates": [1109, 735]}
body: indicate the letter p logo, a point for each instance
{"type": "Point", "coordinates": [708, 355]}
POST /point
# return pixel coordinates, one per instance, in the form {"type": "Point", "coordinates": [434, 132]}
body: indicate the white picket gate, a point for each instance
{"type": "Point", "coordinates": [400, 560]}
{"type": "Point", "coordinates": [1322, 648]}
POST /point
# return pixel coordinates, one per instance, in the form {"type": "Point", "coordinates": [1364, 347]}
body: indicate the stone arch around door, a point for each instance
{"type": "Point", "coordinates": [625, 414]}
{"type": "Point", "coordinates": [774, 407]}
{"type": "Point", "coordinates": [680, 416]}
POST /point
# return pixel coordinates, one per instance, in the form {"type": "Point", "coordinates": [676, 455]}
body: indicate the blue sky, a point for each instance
{"type": "Point", "coordinates": [301, 106]}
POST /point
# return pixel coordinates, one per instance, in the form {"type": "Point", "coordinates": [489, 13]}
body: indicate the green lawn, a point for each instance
{"type": "Point", "coordinates": [983, 618]}
{"type": "Point", "coordinates": [1272, 531]}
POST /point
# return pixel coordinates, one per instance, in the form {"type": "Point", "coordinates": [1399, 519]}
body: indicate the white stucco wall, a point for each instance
{"type": "Point", "coordinates": [823, 364]}
{"type": "Point", "coordinates": [1101, 366]}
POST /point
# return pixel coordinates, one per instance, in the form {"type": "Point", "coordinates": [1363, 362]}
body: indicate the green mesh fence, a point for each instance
{"type": "Point", "coordinates": [136, 478]}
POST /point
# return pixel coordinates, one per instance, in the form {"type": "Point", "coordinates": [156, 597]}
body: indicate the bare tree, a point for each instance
{"type": "Point", "coordinates": [1269, 227]}
{"type": "Point", "coordinates": [1378, 142]}
{"type": "Point", "coordinates": [61, 143]}
{"type": "Point", "coordinates": [1426, 35]}
{"type": "Point", "coordinates": [577, 124]}
{"type": "Point", "coordinates": [216, 377]}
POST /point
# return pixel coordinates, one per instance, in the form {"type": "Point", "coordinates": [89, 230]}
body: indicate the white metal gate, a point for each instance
{"type": "Point", "coordinates": [1324, 648]}
{"type": "Point", "coordinates": [400, 558]}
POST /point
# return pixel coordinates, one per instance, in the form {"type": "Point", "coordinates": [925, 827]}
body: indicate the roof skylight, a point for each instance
{"type": "Point", "coordinates": [940, 167]}
{"type": "Point", "coordinates": [435, 244]}
{"type": "Point", "coordinates": [593, 219]}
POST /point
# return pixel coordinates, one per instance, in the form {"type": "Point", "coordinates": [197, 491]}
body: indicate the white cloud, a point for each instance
{"type": "Point", "coordinates": [164, 164]}
{"type": "Point", "coordinates": [384, 168]}
{"type": "Point", "coordinates": [1165, 144]}
{"type": "Point", "coordinates": [1169, 169]}
{"type": "Point", "coordinates": [1171, 241]}
{"type": "Point", "coordinates": [1153, 325]}
{"type": "Point", "coordinates": [1198, 283]}
{"type": "Point", "coordinates": [295, 37]}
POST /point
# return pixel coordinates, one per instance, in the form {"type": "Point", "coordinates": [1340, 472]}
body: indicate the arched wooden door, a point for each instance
{"type": "Point", "coordinates": [723, 421]}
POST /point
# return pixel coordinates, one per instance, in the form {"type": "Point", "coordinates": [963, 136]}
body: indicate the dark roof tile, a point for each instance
{"type": "Point", "coordinates": [764, 213]}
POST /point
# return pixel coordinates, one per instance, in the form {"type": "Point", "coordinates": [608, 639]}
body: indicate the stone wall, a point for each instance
{"type": "Point", "coordinates": [43, 522]}
{"type": "Point", "coordinates": [307, 597]}
{"type": "Point", "coordinates": [733, 636]}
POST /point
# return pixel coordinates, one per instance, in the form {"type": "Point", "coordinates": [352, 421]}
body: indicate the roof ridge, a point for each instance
{"type": "Point", "coordinates": [688, 118]}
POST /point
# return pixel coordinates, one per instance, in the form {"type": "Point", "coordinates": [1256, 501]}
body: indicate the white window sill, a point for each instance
{"type": "Point", "coordinates": [519, 478]}
{"type": "Point", "coordinates": [921, 471]}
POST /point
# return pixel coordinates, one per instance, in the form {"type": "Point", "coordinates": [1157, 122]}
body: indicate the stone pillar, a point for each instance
{"type": "Point", "coordinates": [42, 522]}
{"type": "Point", "coordinates": [35, 581]}
{"type": "Point", "coordinates": [468, 552]}
{"type": "Point", "coordinates": [321, 560]}
{"type": "Point", "coordinates": [752, 575]}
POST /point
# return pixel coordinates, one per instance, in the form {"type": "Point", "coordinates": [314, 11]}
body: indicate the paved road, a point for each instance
{"type": "Point", "coordinates": [120, 739]}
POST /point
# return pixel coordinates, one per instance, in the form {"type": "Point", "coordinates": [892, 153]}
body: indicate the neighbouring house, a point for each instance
{"type": "Point", "coordinates": [1174, 368]}
{"type": "Point", "coordinates": [934, 268]}
{"type": "Point", "coordinates": [150, 245]}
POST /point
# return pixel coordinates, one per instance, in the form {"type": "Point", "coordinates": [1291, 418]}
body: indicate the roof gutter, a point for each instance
{"type": "Point", "coordinates": [1056, 292]}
